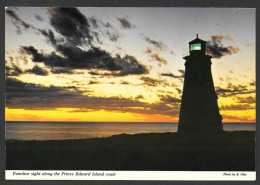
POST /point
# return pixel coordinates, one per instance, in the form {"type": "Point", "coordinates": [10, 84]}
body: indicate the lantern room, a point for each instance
{"type": "Point", "coordinates": [197, 47]}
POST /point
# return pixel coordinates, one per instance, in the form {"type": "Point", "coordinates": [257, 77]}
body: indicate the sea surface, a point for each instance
{"type": "Point", "coordinates": [83, 130]}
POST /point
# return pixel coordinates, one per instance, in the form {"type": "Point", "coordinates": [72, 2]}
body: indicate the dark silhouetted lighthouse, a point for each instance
{"type": "Point", "coordinates": [199, 112]}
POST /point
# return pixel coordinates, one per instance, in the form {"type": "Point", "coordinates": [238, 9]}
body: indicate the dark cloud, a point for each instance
{"type": "Point", "coordinates": [72, 25]}
{"type": "Point", "coordinates": [182, 71]}
{"type": "Point", "coordinates": [216, 48]}
{"type": "Point", "coordinates": [94, 73]}
{"type": "Point", "coordinates": [171, 75]}
{"type": "Point", "coordinates": [31, 96]}
{"type": "Point", "coordinates": [179, 90]}
{"type": "Point", "coordinates": [253, 83]}
{"type": "Point", "coordinates": [75, 29]}
{"type": "Point", "coordinates": [58, 70]}
{"type": "Point", "coordinates": [99, 27]}
{"type": "Point", "coordinates": [94, 22]}
{"type": "Point", "coordinates": [38, 17]}
{"type": "Point", "coordinates": [180, 77]}
{"type": "Point", "coordinates": [12, 14]}
{"type": "Point", "coordinates": [79, 30]}
{"type": "Point", "coordinates": [158, 58]}
{"type": "Point", "coordinates": [38, 71]}
{"type": "Point", "coordinates": [155, 56]}
{"type": "Point", "coordinates": [249, 100]}
{"type": "Point", "coordinates": [150, 81]}
{"type": "Point", "coordinates": [231, 90]}
{"type": "Point", "coordinates": [124, 22]}
{"type": "Point", "coordinates": [169, 99]}
{"type": "Point", "coordinates": [236, 107]}
{"type": "Point", "coordinates": [36, 56]}
{"type": "Point", "coordinates": [49, 35]}
{"type": "Point", "coordinates": [13, 70]}
{"type": "Point", "coordinates": [95, 58]}
{"type": "Point", "coordinates": [19, 24]}
{"type": "Point", "coordinates": [130, 105]}
{"type": "Point", "coordinates": [157, 44]}
{"type": "Point", "coordinates": [154, 82]}
{"type": "Point", "coordinates": [22, 25]}
{"type": "Point", "coordinates": [108, 30]}
{"type": "Point", "coordinates": [124, 83]}
{"type": "Point", "coordinates": [93, 82]}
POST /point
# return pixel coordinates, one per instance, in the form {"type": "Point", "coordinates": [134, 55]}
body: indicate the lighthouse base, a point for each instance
{"type": "Point", "coordinates": [207, 127]}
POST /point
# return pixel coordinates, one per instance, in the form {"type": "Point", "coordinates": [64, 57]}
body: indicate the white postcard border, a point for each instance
{"type": "Point", "coordinates": [131, 175]}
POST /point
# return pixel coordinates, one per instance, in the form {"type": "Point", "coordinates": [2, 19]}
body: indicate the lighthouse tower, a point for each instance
{"type": "Point", "coordinates": [199, 113]}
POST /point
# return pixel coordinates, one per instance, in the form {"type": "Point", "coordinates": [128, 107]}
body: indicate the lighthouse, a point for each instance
{"type": "Point", "coordinates": [199, 113]}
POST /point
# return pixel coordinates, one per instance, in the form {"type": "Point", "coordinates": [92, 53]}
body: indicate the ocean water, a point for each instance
{"type": "Point", "coordinates": [83, 130]}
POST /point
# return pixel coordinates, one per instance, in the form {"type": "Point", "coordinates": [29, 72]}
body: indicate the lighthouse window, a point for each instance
{"type": "Point", "coordinates": [195, 47]}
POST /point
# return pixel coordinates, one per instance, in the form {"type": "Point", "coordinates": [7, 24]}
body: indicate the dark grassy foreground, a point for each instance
{"type": "Point", "coordinates": [232, 151]}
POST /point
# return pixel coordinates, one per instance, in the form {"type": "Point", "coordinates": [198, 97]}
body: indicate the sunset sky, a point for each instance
{"type": "Point", "coordinates": [123, 64]}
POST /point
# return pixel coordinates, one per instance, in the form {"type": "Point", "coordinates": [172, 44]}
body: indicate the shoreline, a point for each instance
{"type": "Point", "coordinates": [122, 134]}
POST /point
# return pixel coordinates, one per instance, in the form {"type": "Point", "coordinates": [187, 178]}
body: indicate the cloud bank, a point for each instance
{"type": "Point", "coordinates": [216, 48]}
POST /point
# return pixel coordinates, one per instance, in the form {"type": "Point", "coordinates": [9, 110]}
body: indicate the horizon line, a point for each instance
{"type": "Point", "coordinates": [125, 121]}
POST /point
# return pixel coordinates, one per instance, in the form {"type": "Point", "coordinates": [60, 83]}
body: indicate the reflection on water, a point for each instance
{"type": "Point", "coordinates": [65, 130]}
